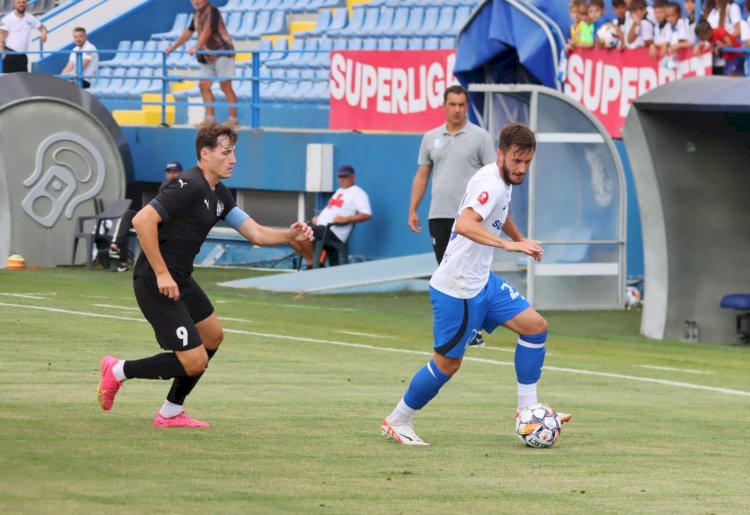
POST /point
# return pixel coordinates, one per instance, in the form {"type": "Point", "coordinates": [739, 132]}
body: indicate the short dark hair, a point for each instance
{"type": "Point", "coordinates": [660, 3]}
{"type": "Point", "coordinates": [209, 134]}
{"type": "Point", "coordinates": [617, 3]}
{"type": "Point", "coordinates": [79, 29]}
{"type": "Point", "coordinates": [703, 28]}
{"type": "Point", "coordinates": [519, 136]}
{"type": "Point", "coordinates": [456, 89]}
{"type": "Point", "coordinates": [598, 3]}
{"type": "Point", "coordinates": [637, 4]}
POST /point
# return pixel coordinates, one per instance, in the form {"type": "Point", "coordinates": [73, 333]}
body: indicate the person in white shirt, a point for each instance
{"type": "Point", "coordinates": [89, 57]}
{"type": "Point", "coordinates": [468, 297]}
{"type": "Point", "coordinates": [349, 205]}
{"type": "Point", "coordinates": [15, 30]}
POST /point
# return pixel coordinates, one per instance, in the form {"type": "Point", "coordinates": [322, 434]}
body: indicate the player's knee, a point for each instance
{"type": "Point", "coordinates": [540, 326]}
{"type": "Point", "coordinates": [196, 366]}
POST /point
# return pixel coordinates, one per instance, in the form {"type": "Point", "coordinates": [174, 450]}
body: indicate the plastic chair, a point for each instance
{"type": "Point", "coordinates": [181, 22]}
{"type": "Point", "coordinates": [336, 252]}
{"type": "Point", "coordinates": [113, 211]}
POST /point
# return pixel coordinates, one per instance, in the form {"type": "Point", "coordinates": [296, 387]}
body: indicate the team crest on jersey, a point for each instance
{"type": "Point", "coordinates": [219, 208]}
{"type": "Point", "coordinates": [483, 198]}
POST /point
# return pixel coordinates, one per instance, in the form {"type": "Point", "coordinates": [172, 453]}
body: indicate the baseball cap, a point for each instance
{"type": "Point", "coordinates": [173, 166]}
{"type": "Point", "coordinates": [345, 171]}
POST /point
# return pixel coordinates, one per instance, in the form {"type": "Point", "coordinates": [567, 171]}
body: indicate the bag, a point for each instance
{"type": "Point", "coordinates": [202, 58]}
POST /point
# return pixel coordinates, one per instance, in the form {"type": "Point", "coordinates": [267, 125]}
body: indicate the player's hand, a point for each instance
{"type": "Point", "coordinates": [300, 231]}
{"type": "Point", "coordinates": [168, 287]}
{"type": "Point", "coordinates": [528, 247]}
{"type": "Point", "coordinates": [414, 223]}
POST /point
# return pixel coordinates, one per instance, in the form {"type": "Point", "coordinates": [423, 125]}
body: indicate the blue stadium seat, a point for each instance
{"type": "Point", "coordinates": [399, 43]}
{"type": "Point", "coordinates": [462, 16]}
{"type": "Point", "coordinates": [370, 23]}
{"type": "Point", "coordinates": [304, 86]}
{"type": "Point", "coordinates": [246, 27]}
{"type": "Point", "coordinates": [136, 53]}
{"type": "Point", "coordinates": [370, 44]}
{"type": "Point", "coordinates": [279, 52]}
{"type": "Point", "coordinates": [354, 44]}
{"type": "Point", "coordinates": [181, 22]}
{"type": "Point", "coordinates": [385, 43]}
{"type": "Point", "coordinates": [290, 85]}
{"type": "Point", "coordinates": [429, 24]}
{"type": "Point", "coordinates": [321, 25]}
{"type": "Point", "coordinates": [277, 23]}
{"type": "Point", "coordinates": [100, 81]}
{"type": "Point", "coordinates": [322, 58]}
{"type": "Point", "coordinates": [340, 44]}
{"type": "Point", "coordinates": [416, 19]}
{"type": "Point", "coordinates": [431, 43]}
{"type": "Point", "coordinates": [339, 21]}
{"type": "Point", "coordinates": [400, 20]}
{"type": "Point", "coordinates": [233, 22]}
{"type": "Point", "coordinates": [355, 24]}
{"type": "Point", "coordinates": [293, 57]}
{"type": "Point", "coordinates": [146, 83]}
{"type": "Point", "coordinates": [269, 88]}
{"type": "Point", "coordinates": [320, 92]}
{"type": "Point", "coordinates": [415, 44]}
{"type": "Point", "coordinates": [149, 57]}
{"type": "Point", "coordinates": [233, 6]}
{"type": "Point", "coordinates": [262, 20]}
{"type": "Point", "coordinates": [120, 55]}
{"type": "Point", "coordinates": [447, 42]}
{"type": "Point", "coordinates": [385, 20]}
{"type": "Point", "coordinates": [445, 21]}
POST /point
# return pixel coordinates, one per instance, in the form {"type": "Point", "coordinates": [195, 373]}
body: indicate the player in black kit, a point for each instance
{"type": "Point", "coordinates": [171, 230]}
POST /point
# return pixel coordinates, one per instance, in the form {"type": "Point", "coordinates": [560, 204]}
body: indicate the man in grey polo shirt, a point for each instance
{"type": "Point", "coordinates": [454, 152]}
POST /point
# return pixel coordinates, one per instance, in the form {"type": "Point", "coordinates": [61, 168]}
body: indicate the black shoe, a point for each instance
{"type": "Point", "coordinates": [478, 341]}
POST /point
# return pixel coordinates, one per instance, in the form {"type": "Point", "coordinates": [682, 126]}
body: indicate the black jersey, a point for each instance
{"type": "Point", "coordinates": [189, 208]}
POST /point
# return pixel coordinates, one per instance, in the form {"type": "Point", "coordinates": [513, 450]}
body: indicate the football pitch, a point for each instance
{"type": "Point", "coordinates": [296, 394]}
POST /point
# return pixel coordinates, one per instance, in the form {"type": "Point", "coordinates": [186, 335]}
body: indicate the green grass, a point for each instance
{"type": "Point", "coordinates": [295, 413]}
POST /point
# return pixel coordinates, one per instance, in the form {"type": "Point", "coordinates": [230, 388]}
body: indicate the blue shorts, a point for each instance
{"type": "Point", "coordinates": [457, 321]}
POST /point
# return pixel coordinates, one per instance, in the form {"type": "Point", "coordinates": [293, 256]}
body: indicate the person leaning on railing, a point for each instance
{"type": "Point", "coordinates": [15, 29]}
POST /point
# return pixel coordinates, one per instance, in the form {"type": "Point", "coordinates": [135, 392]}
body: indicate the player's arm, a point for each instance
{"type": "Point", "coordinates": [3, 35]}
{"type": "Point", "coordinates": [418, 189]}
{"type": "Point", "coordinates": [146, 224]}
{"type": "Point", "coordinates": [469, 225]}
{"type": "Point", "coordinates": [354, 219]}
{"type": "Point", "coordinates": [262, 235]}
{"type": "Point", "coordinates": [511, 229]}
{"type": "Point", "coordinates": [68, 68]}
{"type": "Point", "coordinates": [42, 33]}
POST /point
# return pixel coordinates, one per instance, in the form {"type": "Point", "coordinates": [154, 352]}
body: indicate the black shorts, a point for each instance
{"type": "Point", "coordinates": [173, 322]}
{"type": "Point", "coordinates": [440, 232]}
{"type": "Point", "coordinates": [318, 231]}
{"type": "Point", "coordinates": [15, 63]}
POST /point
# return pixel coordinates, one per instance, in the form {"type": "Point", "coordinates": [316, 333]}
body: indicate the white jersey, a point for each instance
{"type": "Point", "coordinates": [19, 30]}
{"type": "Point", "coordinates": [89, 52]}
{"type": "Point", "coordinates": [345, 202]}
{"type": "Point", "coordinates": [466, 265]}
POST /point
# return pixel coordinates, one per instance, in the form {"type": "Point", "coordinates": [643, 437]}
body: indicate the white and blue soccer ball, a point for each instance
{"type": "Point", "coordinates": [632, 298]}
{"type": "Point", "coordinates": [538, 426]}
{"type": "Point", "coordinates": [608, 36]}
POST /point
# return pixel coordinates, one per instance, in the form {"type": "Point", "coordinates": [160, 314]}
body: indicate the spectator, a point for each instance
{"type": "Point", "coordinates": [662, 30]}
{"type": "Point", "coordinates": [718, 38]}
{"type": "Point", "coordinates": [121, 239]}
{"type": "Point", "coordinates": [349, 205]}
{"type": "Point", "coordinates": [596, 17]}
{"type": "Point", "coordinates": [90, 57]}
{"type": "Point", "coordinates": [454, 151]}
{"type": "Point", "coordinates": [639, 30]}
{"type": "Point", "coordinates": [725, 14]}
{"type": "Point", "coordinates": [15, 30]}
{"type": "Point", "coordinates": [212, 35]}
{"type": "Point", "coordinates": [680, 30]}
{"type": "Point", "coordinates": [621, 10]}
{"type": "Point", "coordinates": [690, 18]}
{"type": "Point", "coordinates": [745, 28]}
{"type": "Point", "coordinates": [575, 38]}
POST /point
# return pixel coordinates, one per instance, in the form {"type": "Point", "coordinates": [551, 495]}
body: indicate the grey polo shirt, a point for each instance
{"type": "Point", "coordinates": [454, 159]}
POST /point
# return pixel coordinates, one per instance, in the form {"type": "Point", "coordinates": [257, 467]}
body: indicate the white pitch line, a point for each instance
{"type": "Point", "coordinates": [236, 320]}
{"type": "Point", "coordinates": [127, 308]}
{"type": "Point", "coordinates": [671, 369]}
{"type": "Point", "coordinates": [369, 335]}
{"type": "Point", "coordinates": [272, 336]}
{"type": "Point", "coordinates": [22, 295]}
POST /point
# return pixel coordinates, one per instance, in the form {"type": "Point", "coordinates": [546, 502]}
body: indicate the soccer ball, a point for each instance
{"type": "Point", "coordinates": [632, 298]}
{"type": "Point", "coordinates": [608, 36]}
{"type": "Point", "coordinates": [538, 426]}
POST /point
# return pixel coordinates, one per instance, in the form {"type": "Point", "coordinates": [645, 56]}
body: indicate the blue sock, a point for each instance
{"type": "Point", "coordinates": [530, 351]}
{"type": "Point", "coordinates": [425, 385]}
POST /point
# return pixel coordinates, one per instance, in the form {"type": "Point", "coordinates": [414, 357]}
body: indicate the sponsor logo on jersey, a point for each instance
{"type": "Point", "coordinates": [205, 201]}
{"type": "Point", "coordinates": [182, 183]}
{"type": "Point", "coordinates": [219, 208]}
{"type": "Point", "coordinates": [483, 198]}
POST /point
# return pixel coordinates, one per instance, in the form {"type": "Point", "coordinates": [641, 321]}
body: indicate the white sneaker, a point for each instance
{"type": "Point", "coordinates": [401, 433]}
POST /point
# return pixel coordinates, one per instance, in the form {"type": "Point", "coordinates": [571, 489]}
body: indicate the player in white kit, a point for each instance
{"type": "Point", "coordinates": [467, 297]}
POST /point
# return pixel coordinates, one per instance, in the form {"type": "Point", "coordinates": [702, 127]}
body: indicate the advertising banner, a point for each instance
{"type": "Point", "coordinates": [607, 81]}
{"type": "Point", "coordinates": [389, 90]}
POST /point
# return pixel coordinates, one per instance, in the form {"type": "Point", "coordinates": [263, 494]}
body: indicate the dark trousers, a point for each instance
{"type": "Point", "coordinates": [440, 232]}
{"type": "Point", "coordinates": [15, 62]}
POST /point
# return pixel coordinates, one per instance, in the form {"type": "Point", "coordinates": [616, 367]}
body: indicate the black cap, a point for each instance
{"type": "Point", "coordinates": [345, 171]}
{"type": "Point", "coordinates": [173, 166]}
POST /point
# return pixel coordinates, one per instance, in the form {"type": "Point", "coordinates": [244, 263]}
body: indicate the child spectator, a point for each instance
{"type": "Point", "coordinates": [679, 34]}
{"type": "Point", "coordinates": [585, 27]}
{"type": "Point", "coordinates": [620, 7]}
{"type": "Point", "coordinates": [719, 38]}
{"type": "Point", "coordinates": [596, 11]}
{"type": "Point", "coordinates": [724, 14]}
{"type": "Point", "coordinates": [573, 9]}
{"type": "Point", "coordinates": [662, 30]}
{"type": "Point", "coordinates": [639, 31]}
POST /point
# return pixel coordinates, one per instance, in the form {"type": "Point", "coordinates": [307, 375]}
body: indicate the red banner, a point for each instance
{"type": "Point", "coordinates": [607, 81]}
{"type": "Point", "coordinates": [389, 91]}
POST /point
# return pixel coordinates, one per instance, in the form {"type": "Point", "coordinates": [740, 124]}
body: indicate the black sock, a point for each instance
{"type": "Point", "coordinates": [160, 366]}
{"type": "Point", "coordinates": [182, 386]}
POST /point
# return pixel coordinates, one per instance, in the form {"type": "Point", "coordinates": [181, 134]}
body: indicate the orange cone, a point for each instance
{"type": "Point", "coordinates": [16, 262]}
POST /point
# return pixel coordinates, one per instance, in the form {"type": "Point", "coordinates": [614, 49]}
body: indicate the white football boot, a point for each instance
{"type": "Point", "coordinates": [401, 433]}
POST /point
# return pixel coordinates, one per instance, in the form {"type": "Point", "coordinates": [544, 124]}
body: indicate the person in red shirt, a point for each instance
{"type": "Point", "coordinates": [719, 38]}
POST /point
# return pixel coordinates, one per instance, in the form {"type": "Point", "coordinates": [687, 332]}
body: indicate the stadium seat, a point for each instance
{"type": "Point", "coordinates": [322, 58]}
{"type": "Point", "coordinates": [155, 57]}
{"type": "Point", "coordinates": [117, 79]}
{"type": "Point", "coordinates": [431, 44]}
{"type": "Point", "coordinates": [100, 81]}
{"type": "Point", "coordinates": [354, 26]}
{"type": "Point", "coordinates": [354, 44]}
{"type": "Point", "coordinates": [429, 24]}
{"type": "Point", "coordinates": [234, 6]}
{"type": "Point", "coordinates": [369, 44]}
{"type": "Point", "coordinates": [120, 55]}
{"type": "Point", "coordinates": [279, 52]}
{"type": "Point", "coordinates": [181, 21]}
{"type": "Point", "coordinates": [136, 53]}
{"type": "Point", "coordinates": [415, 44]}
{"type": "Point", "coordinates": [445, 21]}
{"type": "Point", "coordinates": [277, 23]}
{"type": "Point", "coordinates": [304, 86]}
{"type": "Point", "coordinates": [321, 25]}
{"type": "Point", "coordinates": [416, 19]}
{"type": "Point", "coordinates": [462, 16]}
{"type": "Point", "coordinates": [399, 43]}
{"type": "Point", "coordinates": [331, 249]}
{"type": "Point", "coordinates": [246, 26]}
{"type": "Point", "coordinates": [339, 21]}
{"type": "Point", "coordinates": [385, 20]}
{"type": "Point", "coordinates": [447, 42]}
{"type": "Point", "coordinates": [233, 22]}
{"type": "Point", "coordinates": [370, 23]}
{"type": "Point", "coordinates": [385, 43]}
{"type": "Point", "coordinates": [400, 20]}
{"type": "Point", "coordinates": [262, 20]}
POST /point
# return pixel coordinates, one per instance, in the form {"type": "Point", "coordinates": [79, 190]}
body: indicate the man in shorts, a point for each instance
{"type": "Point", "coordinates": [171, 230]}
{"type": "Point", "coordinates": [468, 297]}
{"type": "Point", "coordinates": [212, 35]}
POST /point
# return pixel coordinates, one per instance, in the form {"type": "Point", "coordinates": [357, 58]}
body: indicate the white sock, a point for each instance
{"type": "Point", "coordinates": [526, 395]}
{"type": "Point", "coordinates": [401, 414]}
{"type": "Point", "coordinates": [118, 371]}
{"type": "Point", "coordinates": [170, 409]}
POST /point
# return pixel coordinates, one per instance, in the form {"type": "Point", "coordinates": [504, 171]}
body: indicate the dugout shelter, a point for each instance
{"type": "Point", "coordinates": [689, 144]}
